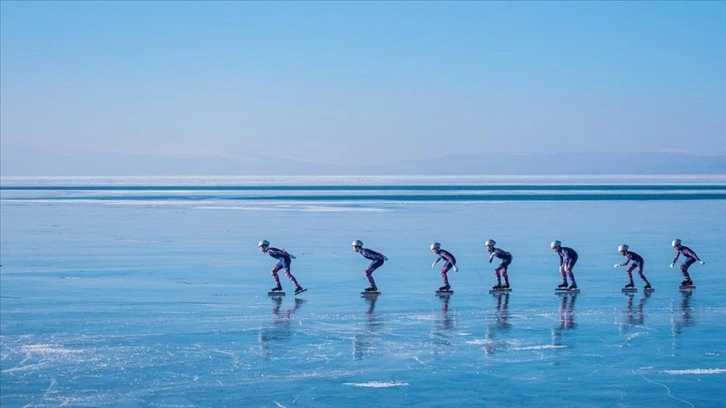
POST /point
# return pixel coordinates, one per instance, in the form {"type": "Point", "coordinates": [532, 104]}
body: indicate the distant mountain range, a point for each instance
{"type": "Point", "coordinates": [572, 164]}
{"type": "Point", "coordinates": [19, 160]}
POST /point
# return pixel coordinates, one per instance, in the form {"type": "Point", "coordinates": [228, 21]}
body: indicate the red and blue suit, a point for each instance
{"type": "Point", "coordinates": [449, 262]}
{"type": "Point", "coordinates": [283, 262]}
{"type": "Point", "coordinates": [690, 256]}
{"type": "Point", "coordinates": [501, 270]}
{"type": "Point", "coordinates": [568, 259]}
{"type": "Point", "coordinates": [377, 258]}
{"type": "Point", "coordinates": [636, 261]}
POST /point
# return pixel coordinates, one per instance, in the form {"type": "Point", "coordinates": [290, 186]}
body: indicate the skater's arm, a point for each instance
{"type": "Point", "coordinates": [678, 253]}
{"type": "Point", "coordinates": [436, 261]}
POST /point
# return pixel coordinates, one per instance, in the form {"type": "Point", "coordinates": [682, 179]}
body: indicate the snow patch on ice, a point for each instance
{"type": "Point", "coordinates": [379, 384]}
{"type": "Point", "coordinates": [320, 208]}
{"type": "Point", "coordinates": [696, 371]}
{"type": "Point", "coordinates": [480, 342]}
{"type": "Point", "coordinates": [302, 208]}
{"type": "Point", "coordinates": [540, 347]}
{"type": "Point", "coordinates": [48, 349]}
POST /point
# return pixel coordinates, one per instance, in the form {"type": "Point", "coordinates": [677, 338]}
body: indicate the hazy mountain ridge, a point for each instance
{"type": "Point", "coordinates": [19, 160]}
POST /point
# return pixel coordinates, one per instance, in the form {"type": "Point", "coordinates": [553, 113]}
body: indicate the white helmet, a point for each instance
{"type": "Point", "coordinates": [357, 243]}
{"type": "Point", "coordinates": [490, 242]}
{"type": "Point", "coordinates": [263, 243]}
{"type": "Point", "coordinates": [555, 244]}
{"type": "Point", "coordinates": [435, 245]}
{"type": "Point", "coordinates": [676, 242]}
{"type": "Point", "coordinates": [623, 247]}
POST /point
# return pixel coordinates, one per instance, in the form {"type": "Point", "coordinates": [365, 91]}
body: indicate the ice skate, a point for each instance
{"type": "Point", "coordinates": [444, 291]}
{"type": "Point", "coordinates": [276, 291]}
{"type": "Point", "coordinates": [500, 289]}
{"type": "Point", "coordinates": [629, 288]}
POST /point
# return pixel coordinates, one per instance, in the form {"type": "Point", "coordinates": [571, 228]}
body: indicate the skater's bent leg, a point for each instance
{"type": "Point", "coordinates": [445, 274]}
{"type": "Point", "coordinates": [292, 278]}
{"type": "Point", "coordinates": [684, 268]}
{"type": "Point", "coordinates": [572, 276]}
{"type": "Point", "coordinates": [629, 272]}
{"type": "Point", "coordinates": [274, 274]}
{"type": "Point", "coordinates": [642, 275]}
{"type": "Point", "coordinates": [369, 276]}
{"type": "Point", "coordinates": [370, 269]}
{"type": "Point", "coordinates": [503, 269]}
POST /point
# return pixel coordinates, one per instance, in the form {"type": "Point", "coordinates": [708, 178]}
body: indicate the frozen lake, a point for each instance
{"type": "Point", "coordinates": [151, 292]}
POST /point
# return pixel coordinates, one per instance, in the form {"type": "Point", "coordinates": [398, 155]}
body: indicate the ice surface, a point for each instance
{"type": "Point", "coordinates": [162, 301]}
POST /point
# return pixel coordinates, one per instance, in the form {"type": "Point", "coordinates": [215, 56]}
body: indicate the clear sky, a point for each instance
{"type": "Point", "coordinates": [364, 82]}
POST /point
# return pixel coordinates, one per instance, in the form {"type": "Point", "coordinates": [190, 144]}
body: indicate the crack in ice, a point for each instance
{"type": "Point", "coordinates": [669, 391]}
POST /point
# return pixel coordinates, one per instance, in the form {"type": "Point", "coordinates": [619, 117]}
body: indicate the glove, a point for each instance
{"type": "Point", "coordinates": [672, 265]}
{"type": "Point", "coordinates": [433, 265]}
{"type": "Point", "coordinates": [616, 266]}
{"type": "Point", "coordinates": [385, 259]}
{"type": "Point", "coordinates": [456, 269]}
{"type": "Point", "coordinates": [702, 263]}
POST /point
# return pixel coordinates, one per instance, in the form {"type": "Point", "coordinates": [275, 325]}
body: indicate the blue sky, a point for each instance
{"type": "Point", "coordinates": [363, 82]}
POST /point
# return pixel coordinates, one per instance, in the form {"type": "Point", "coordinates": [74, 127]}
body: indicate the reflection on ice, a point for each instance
{"type": "Point", "coordinates": [280, 328]}
{"type": "Point", "coordinates": [441, 332]}
{"type": "Point", "coordinates": [499, 323]}
{"type": "Point", "coordinates": [681, 318]}
{"type": "Point", "coordinates": [634, 316]}
{"type": "Point", "coordinates": [365, 339]}
{"type": "Point", "coordinates": [567, 318]}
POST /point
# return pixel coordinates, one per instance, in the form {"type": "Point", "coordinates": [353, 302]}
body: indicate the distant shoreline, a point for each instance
{"type": "Point", "coordinates": [373, 180]}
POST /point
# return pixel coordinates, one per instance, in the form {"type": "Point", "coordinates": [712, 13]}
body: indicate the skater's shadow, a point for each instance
{"type": "Point", "coordinates": [681, 317]}
{"type": "Point", "coordinates": [441, 333]}
{"type": "Point", "coordinates": [499, 323]}
{"type": "Point", "coordinates": [280, 328]}
{"type": "Point", "coordinates": [365, 339]}
{"type": "Point", "coordinates": [567, 318]}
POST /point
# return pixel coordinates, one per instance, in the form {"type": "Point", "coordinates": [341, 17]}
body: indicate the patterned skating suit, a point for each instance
{"type": "Point", "coordinates": [449, 263]}
{"type": "Point", "coordinates": [501, 270]}
{"type": "Point", "coordinates": [637, 262]}
{"type": "Point", "coordinates": [283, 262]}
{"type": "Point", "coordinates": [377, 259]}
{"type": "Point", "coordinates": [568, 259]}
{"type": "Point", "coordinates": [690, 256]}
